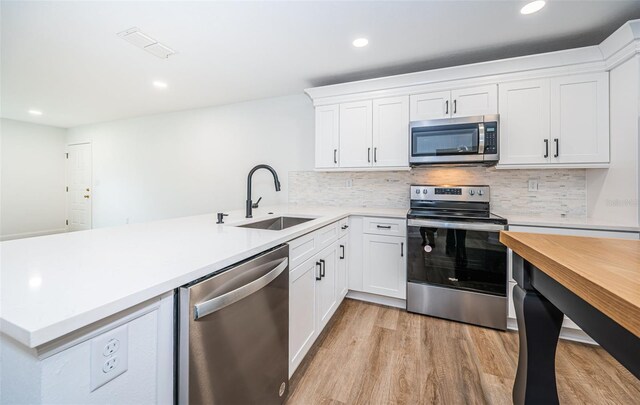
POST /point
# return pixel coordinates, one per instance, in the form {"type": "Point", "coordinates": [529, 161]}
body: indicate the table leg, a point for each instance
{"type": "Point", "coordinates": [539, 323]}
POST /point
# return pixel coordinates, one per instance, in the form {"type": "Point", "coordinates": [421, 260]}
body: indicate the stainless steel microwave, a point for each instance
{"type": "Point", "coordinates": [456, 141]}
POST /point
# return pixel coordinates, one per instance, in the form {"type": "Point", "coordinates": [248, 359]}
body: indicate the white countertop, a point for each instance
{"type": "Point", "coordinates": [53, 285]}
{"type": "Point", "coordinates": [569, 222]}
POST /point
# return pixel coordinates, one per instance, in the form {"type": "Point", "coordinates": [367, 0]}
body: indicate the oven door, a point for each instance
{"type": "Point", "coordinates": [447, 141]}
{"type": "Point", "coordinates": [458, 255]}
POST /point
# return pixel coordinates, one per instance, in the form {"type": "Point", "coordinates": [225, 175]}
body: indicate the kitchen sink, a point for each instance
{"type": "Point", "coordinates": [276, 224]}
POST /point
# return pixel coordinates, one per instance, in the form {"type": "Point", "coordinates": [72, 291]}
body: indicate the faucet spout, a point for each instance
{"type": "Point", "coordinates": [249, 210]}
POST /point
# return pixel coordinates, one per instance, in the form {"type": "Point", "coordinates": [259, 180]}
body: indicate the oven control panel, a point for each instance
{"type": "Point", "coordinates": [451, 193]}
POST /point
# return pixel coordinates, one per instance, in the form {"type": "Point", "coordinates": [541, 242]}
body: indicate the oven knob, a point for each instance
{"type": "Point", "coordinates": [424, 191]}
{"type": "Point", "coordinates": [471, 192]}
{"type": "Point", "coordinates": [417, 191]}
{"type": "Point", "coordinates": [480, 192]}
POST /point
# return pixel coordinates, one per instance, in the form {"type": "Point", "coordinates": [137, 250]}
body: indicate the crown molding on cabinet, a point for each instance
{"type": "Point", "coordinates": [623, 44]}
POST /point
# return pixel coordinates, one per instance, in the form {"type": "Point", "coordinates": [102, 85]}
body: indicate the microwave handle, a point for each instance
{"type": "Point", "coordinates": [481, 138]}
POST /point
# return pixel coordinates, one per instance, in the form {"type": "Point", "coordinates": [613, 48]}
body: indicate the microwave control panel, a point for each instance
{"type": "Point", "coordinates": [490, 138]}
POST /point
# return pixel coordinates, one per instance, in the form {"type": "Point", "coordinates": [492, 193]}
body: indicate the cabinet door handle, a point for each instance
{"type": "Point", "coordinates": [342, 247]}
{"type": "Point", "coordinates": [401, 249]}
{"type": "Point", "coordinates": [375, 155]}
{"type": "Point", "coordinates": [384, 226]}
{"type": "Point", "coordinates": [446, 107]}
{"type": "Point", "coordinates": [344, 227]}
{"type": "Point", "coordinates": [335, 156]}
{"type": "Point", "coordinates": [320, 272]}
{"type": "Point", "coordinates": [455, 106]}
{"type": "Point", "coordinates": [546, 148]}
{"type": "Point", "coordinates": [369, 155]}
{"type": "Point", "coordinates": [322, 266]}
{"type": "Point", "coordinates": [557, 141]}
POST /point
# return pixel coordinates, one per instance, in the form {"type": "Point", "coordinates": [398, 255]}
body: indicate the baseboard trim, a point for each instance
{"type": "Point", "coordinates": [32, 234]}
{"type": "Point", "coordinates": [377, 299]}
{"type": "Point", "coordinates": [575, 335]}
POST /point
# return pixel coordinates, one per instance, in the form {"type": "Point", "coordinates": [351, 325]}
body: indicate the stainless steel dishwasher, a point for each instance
{"type": "Point", "coordinates": [233, 334]}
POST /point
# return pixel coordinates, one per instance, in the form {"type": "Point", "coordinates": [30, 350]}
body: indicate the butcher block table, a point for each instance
{"type": "Point", "coordinates": [594, 281]}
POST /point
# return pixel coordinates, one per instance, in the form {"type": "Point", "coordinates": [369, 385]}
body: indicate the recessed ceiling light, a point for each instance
{"type": "Point", "coordinates": [159, 84]}
{"type": "Point", "coordinates": [360, 42]}
{"type": "Point", "coordinates": [35, 112]}
{"type": "Point", "coordinates": [533, 7]}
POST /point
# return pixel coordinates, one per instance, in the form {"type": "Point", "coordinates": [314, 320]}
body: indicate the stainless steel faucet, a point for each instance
{"type": "Point", "coordinates": [275, 179]}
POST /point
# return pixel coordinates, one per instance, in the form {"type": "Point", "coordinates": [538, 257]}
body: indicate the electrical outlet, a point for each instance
{"type": "Point", "coordinates": [109, 356]}
{"type": "Point", "coordinates": [533, 185]}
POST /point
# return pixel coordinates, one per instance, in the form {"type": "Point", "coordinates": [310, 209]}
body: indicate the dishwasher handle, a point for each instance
{"type": "Point", "coordinates": [215, 304]}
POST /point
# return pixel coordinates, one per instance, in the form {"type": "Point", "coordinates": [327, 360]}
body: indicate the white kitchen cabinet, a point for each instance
{"type": "Point", "coordinates": [555, 122]}
{"type": "Point", "coordinates": [343, 268]}
{"type": "Point", "coordinates": [384, 268]}
{"type": "Point", "coordinates": [327, 136]}
{"type": "Point", "coordinates": [524, 122]}
{"type": "Point", "coordinates": [316, 287]}
{"type": "Point", "coordinates": [480, 100]}
{"type": "Point", "coordinates": [327, 298]}
{"type": "Point", "coordinates": [391, 132]}
{"type": "Point", "coordinates": [430, 106]}
{"type": "Point", "coordinates": [355, 132]}
{"type": "Point", "coordinates": [580, 118]}
{"type": "Point", "coordinates": [302, 311]}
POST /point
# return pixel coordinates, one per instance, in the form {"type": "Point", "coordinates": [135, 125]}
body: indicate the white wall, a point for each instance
{"type": "Point", "coordinates": [612, 194]}
{"type": "Point", "coordinates": [196, 161]}
{"type": "Point", "coordinates": [33, 179]}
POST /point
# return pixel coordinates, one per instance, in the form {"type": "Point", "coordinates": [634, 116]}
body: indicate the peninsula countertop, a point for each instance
{"type": "Point", "coordinates": [603, 272]}
{"type": "Point", "coordinates": [56, 284]}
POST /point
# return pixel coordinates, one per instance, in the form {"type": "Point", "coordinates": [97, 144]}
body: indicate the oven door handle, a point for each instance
{"type": "Point", "coordinates": [457, 225]}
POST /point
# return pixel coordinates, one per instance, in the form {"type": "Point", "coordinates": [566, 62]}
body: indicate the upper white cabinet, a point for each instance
{"type": "Point", "coordinates": [363, 134]}
{"type": "Point", "coordinates": [524, 122]}
{"type": "Point", "coordinates": [563, 120]}
{"type": "Point", "coordinates": [465, 102]}
{"type": "Point", "coordinates": [580, 118]}
{"type": "Point", "coordinates": [391, 132]}
{"type": "Point", "coordinates": [474, 101]}
{"type": "Point", "coordinates": [356, 122]}
{"type": "Point", "coordinates": [327, 127]}
{"type": "Point", "coordinates": [430, 106]}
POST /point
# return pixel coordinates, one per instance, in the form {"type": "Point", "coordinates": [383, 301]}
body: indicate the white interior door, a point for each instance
{"type": "Point", "coordinates": [79, 187]}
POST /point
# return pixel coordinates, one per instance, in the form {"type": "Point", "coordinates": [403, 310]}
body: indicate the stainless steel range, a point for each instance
{"type": "Point", "coordinates": [457, 267]}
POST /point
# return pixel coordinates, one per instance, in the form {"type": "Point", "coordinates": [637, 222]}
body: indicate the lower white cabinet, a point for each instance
{"type": "Point", "coordinates": [342, 278]}
{"type": "Point", "coordinates": [326, 291]}
{"type": "Point", "coordinates": [316, 289]}
{"type": "Point", "coordinates": [384, 270]}
{"type": "Point", "coordinates": [302, 312]}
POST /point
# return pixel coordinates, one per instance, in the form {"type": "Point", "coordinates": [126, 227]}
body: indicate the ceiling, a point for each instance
{"type": "Point", "coordinates": [65, 59]}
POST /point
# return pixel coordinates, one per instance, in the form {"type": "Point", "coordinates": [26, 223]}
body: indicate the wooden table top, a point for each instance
{"type": "Point", "coordinates": [605, 272]}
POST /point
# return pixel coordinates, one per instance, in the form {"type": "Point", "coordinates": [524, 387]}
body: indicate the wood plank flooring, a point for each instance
{"type": "Point", "coordinates": [371, 354]}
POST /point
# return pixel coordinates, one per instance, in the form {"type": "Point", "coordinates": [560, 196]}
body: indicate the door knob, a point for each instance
{"type": "Point", "coordinates": [87, 188]}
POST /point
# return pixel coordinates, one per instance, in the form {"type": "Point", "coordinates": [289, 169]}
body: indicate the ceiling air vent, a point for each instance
{"type": "Point", "coordinates": [144, 41]}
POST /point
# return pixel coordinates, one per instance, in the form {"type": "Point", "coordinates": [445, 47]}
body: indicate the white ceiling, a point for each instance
{"type": "Point", "coordinates": [65, 59]}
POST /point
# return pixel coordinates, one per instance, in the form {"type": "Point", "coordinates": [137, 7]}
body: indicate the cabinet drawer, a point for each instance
{"type": "Point", "coordinates": [343, 226]}
{"type": "Point", "coordinates": [385, 226]}
{"type": "Point", "coordinates": [302, 249]}
{"type": "Point", "coordinates": [327, 235]}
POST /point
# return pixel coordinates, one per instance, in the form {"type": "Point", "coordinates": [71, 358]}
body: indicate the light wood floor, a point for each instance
{"type": "Point", "coordinates": [370, 354]}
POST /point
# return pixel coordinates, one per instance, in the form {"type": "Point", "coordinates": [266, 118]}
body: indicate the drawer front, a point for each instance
{"type": "Point", "coordinates": [385, 226]}
{"type": "Point", "coordinates": [302, 249]}
{"type": "Point", "coordinates": [327, 235]}
{"type": "Point", "coordinates": [343, 226]}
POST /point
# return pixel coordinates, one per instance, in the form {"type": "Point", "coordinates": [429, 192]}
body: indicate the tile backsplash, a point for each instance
{"type": "Point", "coordinates": [561, 192]}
